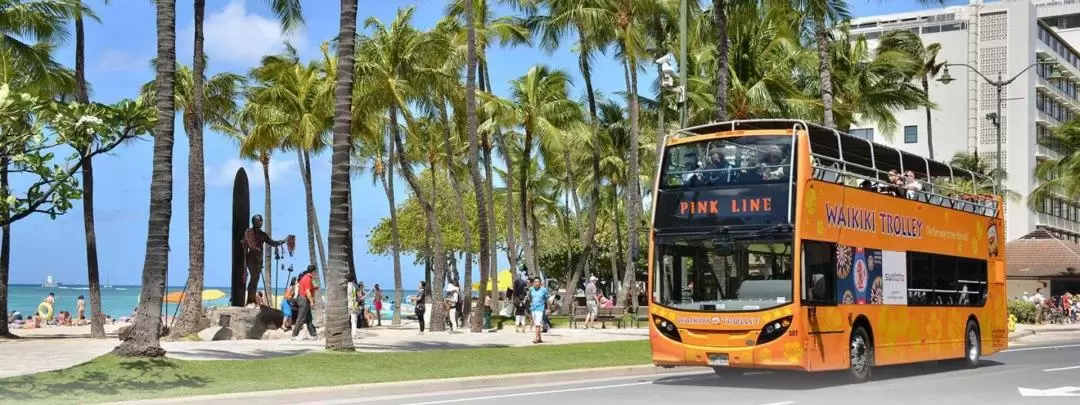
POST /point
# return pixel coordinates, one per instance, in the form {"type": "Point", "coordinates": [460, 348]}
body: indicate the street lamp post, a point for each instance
{"type": "Point", "coordinates": [999, 84]}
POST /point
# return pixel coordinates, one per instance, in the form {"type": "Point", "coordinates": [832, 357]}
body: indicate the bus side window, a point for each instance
{"type": "Point", "coordinates": [819, 273]}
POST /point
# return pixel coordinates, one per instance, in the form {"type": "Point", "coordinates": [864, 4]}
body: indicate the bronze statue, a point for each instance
{"type": "Point", "coordinates": [254, 239]}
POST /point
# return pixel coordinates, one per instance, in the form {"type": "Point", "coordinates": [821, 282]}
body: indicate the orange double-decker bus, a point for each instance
{"type": "Point", "coordinates": [778, 244]}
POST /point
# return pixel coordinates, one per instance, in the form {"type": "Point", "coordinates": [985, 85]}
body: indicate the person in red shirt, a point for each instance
{"type": "Point", "coordinates": [306, 297]}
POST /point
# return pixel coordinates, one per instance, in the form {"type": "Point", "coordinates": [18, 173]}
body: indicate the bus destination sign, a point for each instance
{"type": "Point", "coordinates": [735, 206]}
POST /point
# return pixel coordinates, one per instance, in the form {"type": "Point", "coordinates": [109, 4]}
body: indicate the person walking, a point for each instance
{"type": "Point", "coordinates": [451, 305]}
{"type": "Point", "coordinates": [419, 301]}
{"type": "Point", "coordinates": [287, 304]}
{"type": "Point", "coordinates": [538, 296]}
{"type": "Point", "coordinates": [592, 304]}
{"type": "Point", "coordinates": [306, 299]}
{"type": "Point", "coordinates": [80, 309]}
{"type": "Point", "coordinates": [378, 305]}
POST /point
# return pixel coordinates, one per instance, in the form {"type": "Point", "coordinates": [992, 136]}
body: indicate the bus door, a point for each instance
{"type": "Point", "coordinates": [825, 326]}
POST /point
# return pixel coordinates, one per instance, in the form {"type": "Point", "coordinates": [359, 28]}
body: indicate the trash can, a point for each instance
{"type": "Point", "coordinates": [487, 319]}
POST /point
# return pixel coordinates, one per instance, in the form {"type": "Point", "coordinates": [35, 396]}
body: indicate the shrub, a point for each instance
{"type": "Point", "coordinates": [1023, 310]}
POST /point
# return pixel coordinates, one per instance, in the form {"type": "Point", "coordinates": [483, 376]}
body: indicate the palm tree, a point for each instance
{"type": "Point", "coordinates": [298, 101]}
{"type": "Point", "coordinates": [1057, 177]}
{"type": "Point", "coordinates": [928, 68]}
{"type": "Point", "coordinates": [403, 64]}
{"type": "Point", "coordinates": [823, 15]}
{"type": "Point", "coordinates": [82, 95]}
{"type": "Point", "coordinates": [587, 19]}
{"type": "Point", "coordinates": [144, 342]}
{"type": "Point", "coordinates": [486, 240]}
{"type": "Point", "coordinates": [199, 100]}
{"type": "Point", "coordinates": [28, 35]}
{"type": "Point", "coordinates": [339, 335]}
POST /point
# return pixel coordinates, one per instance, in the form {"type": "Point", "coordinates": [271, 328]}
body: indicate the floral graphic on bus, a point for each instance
{"type": "Point", "coordinates": [992, 239]}
{"type": "Point", "coordinates": [857, 269]}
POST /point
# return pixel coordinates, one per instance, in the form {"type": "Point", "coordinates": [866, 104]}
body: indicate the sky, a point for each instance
{"type": "Point", "coordinates": [238, 33]}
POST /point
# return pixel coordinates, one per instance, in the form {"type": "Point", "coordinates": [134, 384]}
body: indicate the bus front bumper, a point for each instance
{"type": "Point", "coordinates": [780, 354]}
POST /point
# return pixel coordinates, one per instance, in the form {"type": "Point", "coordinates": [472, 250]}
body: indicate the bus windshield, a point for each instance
{"type": "Point", "coordinates": [704, 274]}
{"type": "Point", "coordinates": [745, 160]}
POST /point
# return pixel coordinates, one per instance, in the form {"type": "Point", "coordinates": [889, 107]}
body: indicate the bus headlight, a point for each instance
{"type": "Point", "coordinates": [667, 328]}
{"type": "Point", "coordinates": [774, 330]}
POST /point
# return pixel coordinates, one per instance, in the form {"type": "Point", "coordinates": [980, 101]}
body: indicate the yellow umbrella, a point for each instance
{"type": "Point", "coordinates": [505, 279]}
{"type": "Point", "coordinates": [207, 295]}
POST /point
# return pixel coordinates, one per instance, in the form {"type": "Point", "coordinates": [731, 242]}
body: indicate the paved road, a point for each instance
{"type": "Point", "coordinates": [996, 381]}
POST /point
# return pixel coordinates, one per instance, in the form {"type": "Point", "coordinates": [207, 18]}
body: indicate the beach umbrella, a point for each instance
{"type": "Point", "coordinates": [505, 278]}
{"type": "Point", "coordinates": [207, 295]}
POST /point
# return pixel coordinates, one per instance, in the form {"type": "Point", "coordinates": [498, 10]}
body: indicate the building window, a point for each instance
{"type": "Point", "coordinates": [863, 133]}
{"type": "Point", "coordinates": [911, 134]}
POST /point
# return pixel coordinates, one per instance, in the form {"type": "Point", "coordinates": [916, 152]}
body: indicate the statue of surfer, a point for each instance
{"type": "Point", "coordinates": [254, 239]}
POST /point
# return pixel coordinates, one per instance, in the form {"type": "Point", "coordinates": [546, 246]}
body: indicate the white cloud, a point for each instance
{"type": "Point", "coordinates": [114, 60]}
{"type": "Point", "coordinates": [234, 34]}
{"type": "Point", "coordinates": [223, 175]}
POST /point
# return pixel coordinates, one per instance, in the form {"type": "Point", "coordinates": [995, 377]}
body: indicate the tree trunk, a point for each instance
{"type": "Point", "coordinates": [144, 342]}
{"type": "Point", "coordinates": [489, 190]}
{"type": "Point", "coordinates": [511, 242]}
{"type": "Point", "coordinates": [438, 310]}
{"type": "Point", "coordinates": [268, 265]}
{"type": "Point", "coordinates": [5, 250]}
{"type": "Point", "coordinates": [720, 19]}
{"type": "Point", "coordinates": [315, 216]}
{"type": "Point", "coordinates": [821, 34]}
{"type": "Point", "coordinates": [314, 235]}
{"type": "Point", "coordinates": [483, 226]}
{"type": "Point", "coordinates": [523, 199]}
{"type": "Point", "coordinates": [97, 319]}
{"type": "Point", "coordinates": [632, 187]}
{"type": "Point", "coordinates": [929, 123]}
{"type": "Point", "coordinates": [459, 201]}
{"type": "Point", "coordinates": [588, 235]}
{"type": "Point", "coordinates": [191, 303]}
{"type": "Point", "coordinates": [395, 241]}
{"type": "Point", "coordinates": [338, 325]}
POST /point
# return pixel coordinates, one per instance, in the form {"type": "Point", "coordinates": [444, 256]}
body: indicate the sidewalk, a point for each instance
{"type": "Point", "coordinates": [1025, 330]}
{"type": "Point", "coordinates": [30, 356]}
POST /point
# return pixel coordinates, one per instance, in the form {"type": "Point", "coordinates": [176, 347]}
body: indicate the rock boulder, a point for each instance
{"type": "Point", "coordinates": [246, 323]}
{"type": "Point", "coordinates": [215, 333]}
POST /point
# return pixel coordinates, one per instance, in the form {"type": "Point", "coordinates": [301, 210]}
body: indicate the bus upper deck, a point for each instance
{"type": "Point", "coordinates": [836, 157]}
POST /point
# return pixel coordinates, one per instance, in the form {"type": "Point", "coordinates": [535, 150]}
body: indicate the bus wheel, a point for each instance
{"type": "Point", "coordinates": [972, 346]}
{"type": "Point", "coordinates": [862, 355]}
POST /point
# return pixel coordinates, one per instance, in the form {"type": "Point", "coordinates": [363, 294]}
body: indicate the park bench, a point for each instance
{"type": "Point", "coordinates": [606, 315]}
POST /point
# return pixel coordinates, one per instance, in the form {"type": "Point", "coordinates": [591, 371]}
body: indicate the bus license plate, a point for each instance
{"type": "Point", "coordinates": [718, 359]}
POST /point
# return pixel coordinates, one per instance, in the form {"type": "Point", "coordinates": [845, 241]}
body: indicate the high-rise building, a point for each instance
{"type": "Point", "coordinates": [1000, 40]}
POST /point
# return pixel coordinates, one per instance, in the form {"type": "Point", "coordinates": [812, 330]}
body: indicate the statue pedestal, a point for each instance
{"type": "Point", "coordinates": [246, 323]}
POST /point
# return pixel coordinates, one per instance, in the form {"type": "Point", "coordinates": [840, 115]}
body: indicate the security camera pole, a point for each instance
{"type": "Point", "coordinates": [682, 63]}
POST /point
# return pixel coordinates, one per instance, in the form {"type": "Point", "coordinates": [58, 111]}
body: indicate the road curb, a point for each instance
{"type": "Point", "coordinates": [432, 385]}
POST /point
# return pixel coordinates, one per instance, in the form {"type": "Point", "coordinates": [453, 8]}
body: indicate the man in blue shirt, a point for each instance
{"type": "Point", "coordinates": [538, 296]}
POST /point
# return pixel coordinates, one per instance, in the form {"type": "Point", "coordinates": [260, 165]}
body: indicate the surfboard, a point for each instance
{"type": "Point", "coordinates": [241, 214]}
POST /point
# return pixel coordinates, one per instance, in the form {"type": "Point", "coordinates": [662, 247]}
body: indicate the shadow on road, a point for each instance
{"type": "Point", "coordinates": [798, 381]}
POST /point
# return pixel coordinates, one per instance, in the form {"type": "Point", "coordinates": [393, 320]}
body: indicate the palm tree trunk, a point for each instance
{"type": "Point", "coordinates": [191, 303]}
{"type": "Point", "coordinates": [314, 236]}
{"type": "Point", "coordinates": [588, 237]}
{"type": "Point", "coordinates": [338, 325]}
{"type": "Point", "coordinates": [459, 201]}
{"type": "Point", "coordinates": [484, 229]}
{"type": "Point", "coordinates": [308, 208]}
{"type": "Point", "coordinates": [144, 341]}
{"type": "Point", "coordinates": [489, 191]}
{"type": "Point", "coordinates": [268, 265]}
{"type": "Point", "coordinates": [523, 199]}
{"type": "Point", "coordinates": [821, 34]}
{"type": "Point", "coordinates": [5, 250]}
{"type": "Point", "coordinates": [388, 186]}
{"type": "Point", "coordinates": [97, 319]}
{"type": "Point", "coordinates": [632, 186]}
{"type": "Point", "coordinates": [438, 310]}
{"type": "Point", "coordinates": [929, 122]}
{"type": "Point", "coordinates": [315, 217]}
{"type": "Point", "coordinates": [720, 20]}
{"type": "Point", "coordinates": [511, 241]}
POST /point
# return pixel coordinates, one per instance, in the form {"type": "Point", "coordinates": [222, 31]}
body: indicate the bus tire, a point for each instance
{"type": "Point", "coordinates": [972, 345]}
{"type": "Point", "coordinates": [861, 355]}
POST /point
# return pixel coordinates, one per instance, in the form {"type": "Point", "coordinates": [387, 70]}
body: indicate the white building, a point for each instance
{"type": "Point", "coordinates": [1002, 37]}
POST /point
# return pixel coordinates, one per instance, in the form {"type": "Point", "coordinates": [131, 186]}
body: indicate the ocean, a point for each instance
{"type": "Point", "coordinates": [117, 301]}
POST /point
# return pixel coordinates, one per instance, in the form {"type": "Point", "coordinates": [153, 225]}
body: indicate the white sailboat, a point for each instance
{"type": "Point", "coordinates": [107, 285]}
{"type": "Point", "coordinates": [50, 283]}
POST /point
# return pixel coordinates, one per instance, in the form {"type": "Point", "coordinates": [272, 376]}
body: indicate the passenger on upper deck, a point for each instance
{"type": "Point", "coordinates": [691, 167]}
{"type": "Point", "coordinates": [718, 169]}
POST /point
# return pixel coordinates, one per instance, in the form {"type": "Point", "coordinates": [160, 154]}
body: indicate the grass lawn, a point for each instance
{"type": "Point", "coordinates": [110, 378]}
